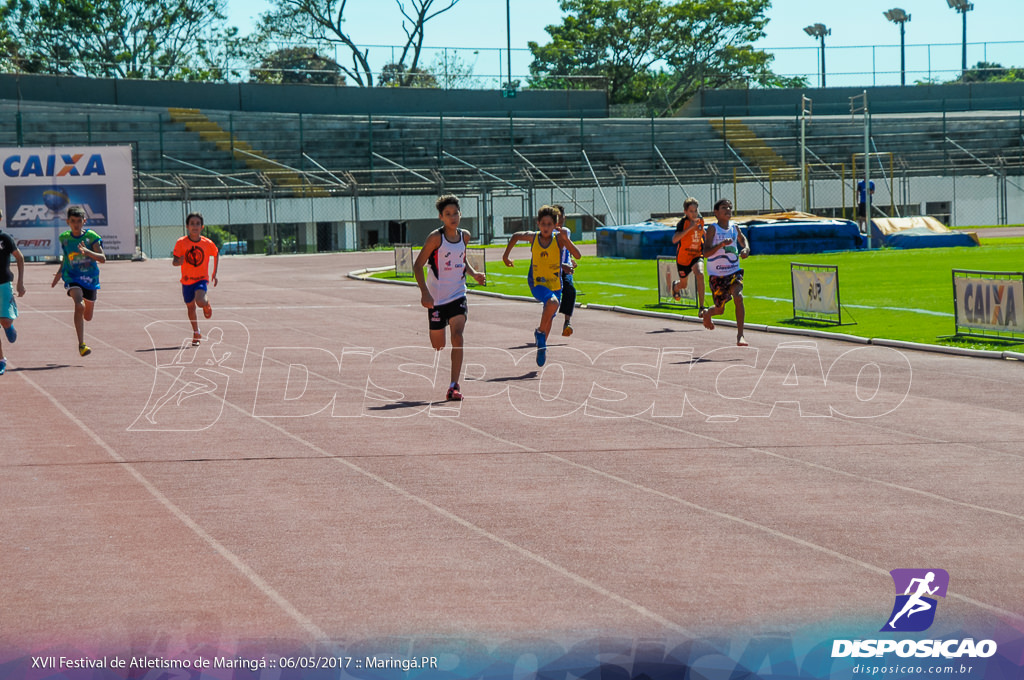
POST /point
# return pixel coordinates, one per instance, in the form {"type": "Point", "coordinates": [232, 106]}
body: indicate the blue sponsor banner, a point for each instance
{"type": "Point", "coordinates": [46, 205]}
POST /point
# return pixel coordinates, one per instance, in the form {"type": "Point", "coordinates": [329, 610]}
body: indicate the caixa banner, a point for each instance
{"type": "Point", "coordinates": [989, 303]}
{"type": "Point", "coordinates": [41, 183]}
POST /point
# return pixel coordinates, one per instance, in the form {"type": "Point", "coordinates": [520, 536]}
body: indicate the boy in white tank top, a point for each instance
{"type": "Point", "coordinates": [724, 247]}
{"type": "Point", "coordinates": [444, 292]}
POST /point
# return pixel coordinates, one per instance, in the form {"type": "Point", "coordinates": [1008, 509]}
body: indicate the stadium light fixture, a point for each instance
{"type": "Point", "coordinates": [898, 16]}
{"type": "Point", "coordinates": [509, 88]}
{"type": "Point", "coordinates": [819, 31]}
{"type": "Point", "coordinates": [963, 7]}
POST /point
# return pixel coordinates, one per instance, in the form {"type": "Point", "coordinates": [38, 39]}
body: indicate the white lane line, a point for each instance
{"type": "Point", "coordinates": [760, 527]}
{"type": "Point", "coordinates": [596, 587]}
{"type": "Point", "coordinates": [304, 622]}
{"type": "Point", "coordinates": [283, 602]}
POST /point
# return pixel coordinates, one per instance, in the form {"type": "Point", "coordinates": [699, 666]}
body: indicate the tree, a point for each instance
{"type": "Point", "coordinates": [658, 52]}
{"type": "Point", "coordinates": [168, 39]}
{"type": "Point", "coordinates": [982, 72]}
{"type": "Point", "coordinates": [298, 65]}
{"type": "Point", "coordinates": [452, 71]}
{"type": "Point", "coordinates": [320, 21]}
{"type": "Point", "coordinates": [986, 72]}
{"type": "Point", "coordinates": [397, 75]}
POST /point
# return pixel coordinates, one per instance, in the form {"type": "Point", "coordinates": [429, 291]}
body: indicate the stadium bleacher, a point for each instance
{"type": "Point", "coordinates": [385, 151]}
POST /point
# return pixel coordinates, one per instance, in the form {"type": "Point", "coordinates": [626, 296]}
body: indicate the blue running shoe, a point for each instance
{"type": "Point", "coordinates": [12, 335]}
{"type": "Point", "coordinates": [542, 352]}
{"type": "Point", "coordinates": [3, 366]}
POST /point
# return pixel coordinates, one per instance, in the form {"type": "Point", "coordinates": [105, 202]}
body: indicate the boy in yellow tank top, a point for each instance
{"type": "Point", "coordinates": [545, 275]}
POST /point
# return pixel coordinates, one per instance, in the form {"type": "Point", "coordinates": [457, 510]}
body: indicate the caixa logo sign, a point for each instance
{"type": "Point", "coordinates": [54, 165]}
{"type": "Point", "coordinates": [914, 609]}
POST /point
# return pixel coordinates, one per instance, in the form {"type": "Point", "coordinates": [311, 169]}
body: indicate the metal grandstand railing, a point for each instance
{"type": "Point", "coordinates": [323, 156]}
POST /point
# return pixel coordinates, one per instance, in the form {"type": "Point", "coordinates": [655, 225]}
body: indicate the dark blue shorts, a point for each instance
{"type": "Point", "coordinates": [189, 292]}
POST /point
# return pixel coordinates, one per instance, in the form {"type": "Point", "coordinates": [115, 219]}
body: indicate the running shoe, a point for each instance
{"type": "Point", "coordinates": [196, 338]}
{"type": "Point", "coordinates": [207, 311]}
{"type": "Point", "coordinates": [566, 329]}
{"type": "Point", "coordinates": [3, 366]}
{"type": "Point", "coordinates": [542, 352]}
{"type": "Point", "coordinates": [12, 335]}
{"type": "Point", "coordinates": [453, 393]}
{"type": "Point", "coordinates": [84, 350]}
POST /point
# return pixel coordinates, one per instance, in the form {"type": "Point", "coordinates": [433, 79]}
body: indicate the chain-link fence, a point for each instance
{"type": "Point", "coordinates": [448, 67]}
{"type": "Point", "coordinates": [352, 221]}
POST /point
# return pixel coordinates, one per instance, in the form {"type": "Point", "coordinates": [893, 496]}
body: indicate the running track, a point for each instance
{"type": "Point", "coordinates": [298, 501]}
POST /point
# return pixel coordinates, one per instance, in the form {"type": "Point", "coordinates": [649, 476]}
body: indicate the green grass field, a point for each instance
{"type": "Point", "coordinates": [896, 294]}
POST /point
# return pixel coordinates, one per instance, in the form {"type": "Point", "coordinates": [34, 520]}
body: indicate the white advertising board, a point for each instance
{"type": "Point", "coordinates": [815, 291]}
{"type": "Point", "coordinates": [989, 301]}
{"type": "Point", "coordinates": [39, 184]}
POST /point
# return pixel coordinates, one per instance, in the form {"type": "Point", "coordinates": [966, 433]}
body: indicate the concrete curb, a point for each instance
{"type": "Point", "coordinates": [960, 351]}
{"type": "Point", "coordinates": [364, 275]}
{"type": "Point", "coordinates": [812, 333]}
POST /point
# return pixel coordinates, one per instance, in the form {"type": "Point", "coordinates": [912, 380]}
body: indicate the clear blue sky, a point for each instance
{"type": "Point", "coordinates": [863, 48]}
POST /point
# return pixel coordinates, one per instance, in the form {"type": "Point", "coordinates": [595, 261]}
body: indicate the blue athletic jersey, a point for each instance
{"type": "Point", "coordinates": [78, 269]}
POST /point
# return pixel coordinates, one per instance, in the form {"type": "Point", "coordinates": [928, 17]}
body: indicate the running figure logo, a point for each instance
{"type": "Point", "coordinates": [914, 610]}
{"type": "Point", "coordinates": [195, 256]}
{"type": "Point", "coordinates": [190, 385]}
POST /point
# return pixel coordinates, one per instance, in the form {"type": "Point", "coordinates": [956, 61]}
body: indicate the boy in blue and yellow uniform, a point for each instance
{"type": "Point", "coordinates": [82, 253]}
{"type": "Point", "coordinates": [545, 275]}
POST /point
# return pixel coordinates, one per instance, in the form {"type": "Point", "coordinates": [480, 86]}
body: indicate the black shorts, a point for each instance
{"type": "Point", "coordinates": [862, 209]}
{"type": "Point", "coordinates": [687, 269]}
{"type": "Point", "coordinates": [87, 293]}
{"type": "Point", "coordinates": [440, 316]}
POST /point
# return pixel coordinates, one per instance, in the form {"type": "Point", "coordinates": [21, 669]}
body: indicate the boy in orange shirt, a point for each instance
{"type": "Point", "coordinates": [689, 240]}
{"type": "Point", "coordinates": [193, 253]}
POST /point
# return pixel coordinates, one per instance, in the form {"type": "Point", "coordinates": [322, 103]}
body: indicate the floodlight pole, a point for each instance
{"type": "Point", "coordinates": [902, 52]}
{"type": "Point", "coordinates": [819, 31]}
{"type": "Point", "coordinates": [822, 38]}
{"type": "Point", "coordinates": [963, 48]}
{"type": "Point", "coordinates": [898, 16]}
{"type": "Point", "coordinates": [508, 37]}
{"type": "Point", "coordinates": [963, 7]}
